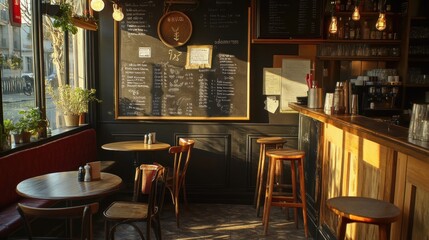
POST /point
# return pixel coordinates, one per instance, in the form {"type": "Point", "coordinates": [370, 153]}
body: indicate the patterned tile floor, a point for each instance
{"type": "Point", "coordinates": [215, 221]}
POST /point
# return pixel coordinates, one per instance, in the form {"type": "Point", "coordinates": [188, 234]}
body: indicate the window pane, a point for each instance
{"type": "Point", "coordinates": [16, 62]}
{"type": "Point", "coordinates": [55, 62]}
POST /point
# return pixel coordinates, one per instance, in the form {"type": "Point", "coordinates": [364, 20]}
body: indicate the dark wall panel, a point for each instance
{"type": "Point", "coordinates": [225, 159]}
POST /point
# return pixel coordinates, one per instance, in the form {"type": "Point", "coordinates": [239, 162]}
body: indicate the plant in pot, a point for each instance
{"type": "Point", "coordinates": [8, 127]}
{"type": "Point", "coordinates": [30, 123]}
{"type": "Point", "coordinates": [64, 18]}
{"type": "Point", "coordinates": [72, 102]}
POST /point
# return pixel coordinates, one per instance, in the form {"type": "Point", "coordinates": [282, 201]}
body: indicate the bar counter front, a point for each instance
{"type": "Point", "coordinates": [359, 156]}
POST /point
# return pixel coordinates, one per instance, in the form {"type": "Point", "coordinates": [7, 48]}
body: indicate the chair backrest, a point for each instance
{"type": "Point", "coordinates": [83, 212]}
{"type": "Point", "coordinates": [154, 175]}
{"type": "Point", "coordinates": [182, 156]}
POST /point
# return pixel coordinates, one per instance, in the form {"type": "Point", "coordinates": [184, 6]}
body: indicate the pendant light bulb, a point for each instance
{"type": "Point", "coordinates": [97, 5]}
{"type": "Point", "coordinates": [333, 26]}
{"type": "Point", "coordinates": [381, 22]}
{"type": "Point", "coordinates": [117, 13]}
{"type": "Point", "coordinates": [356, 14]}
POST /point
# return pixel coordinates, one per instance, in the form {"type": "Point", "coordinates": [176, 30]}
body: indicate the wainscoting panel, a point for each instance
{"type": "Point", "coordinates": [224, 160]}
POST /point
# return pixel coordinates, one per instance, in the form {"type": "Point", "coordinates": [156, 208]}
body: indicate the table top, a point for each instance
{"type": "Point", "coordinates": [65, 186]}
{"type": "Point", "coordinates": [135, 146]}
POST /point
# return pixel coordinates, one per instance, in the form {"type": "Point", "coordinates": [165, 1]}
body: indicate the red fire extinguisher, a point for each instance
{"type": "Point", "coordinates": [15, 13]}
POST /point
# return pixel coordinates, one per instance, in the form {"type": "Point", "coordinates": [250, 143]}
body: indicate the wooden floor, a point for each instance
{"type": "Point", "coordinates": [207, 221]}
{"type": "Point", "coordinates": [216, 221]}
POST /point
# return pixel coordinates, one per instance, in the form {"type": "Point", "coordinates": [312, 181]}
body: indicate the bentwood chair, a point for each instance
{"type": "Point", "coordinates": [83, 213]}
{"type": "Point", "coordinates": [149, 180]}
{"type": "Point", "coordinates": [176, 180]}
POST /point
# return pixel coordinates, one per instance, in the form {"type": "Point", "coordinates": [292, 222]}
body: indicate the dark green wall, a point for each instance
{"type": "Point", "coordinates": [225, 159]}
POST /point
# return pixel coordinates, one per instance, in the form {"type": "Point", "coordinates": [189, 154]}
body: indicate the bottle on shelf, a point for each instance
{"type": "Point", "coordinates": [373, 33]}
{"type": "Point", "coordinates": [347, 29]}
{"type": "Point", "coordinates": [390, 31]}
{"type": "Point", "coordinates": [352, 29]}
{"type": "Point", "coordinates": [365, 30]}
{"type": "Point", "coordinates": [338, 103]}
{"type": "Point", "coordinates": [340, 28]}
{"type": "Point", "coordinates": [349, 6]}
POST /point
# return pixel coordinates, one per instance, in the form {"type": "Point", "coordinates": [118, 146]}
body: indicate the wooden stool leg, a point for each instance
{"type": "Point", "coordinates": [342, 226]}
{"type": "Point", "coordinates": [261, 179]}
{"type": "Point", "coordinates": [384, 231]}
{"type": "Point", "coordinates": [294, 196]}
{"type": "Point", "coordinates": [303, 196]}
{"type": "Point", "coordinates": [258, 175]}
{"type": "Point", "coordinates": [269, 193]}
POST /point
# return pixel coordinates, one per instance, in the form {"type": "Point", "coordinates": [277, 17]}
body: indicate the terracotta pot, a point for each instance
{"type": "Point", "coordinates": [23, 137]}
{"type": "Point", "coordinates": [71, 120]}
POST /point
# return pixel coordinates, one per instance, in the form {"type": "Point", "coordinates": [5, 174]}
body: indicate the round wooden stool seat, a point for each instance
{"type": "Point", "coordinates": [266, 143]}
{"type": "Point", "coordinates": [364, 210]}
{"type": "Point", "coordinates": [286, 153]}
{"type": "Point", "coordinates": [283, 199]}
{"type": "Point", "coordinates": [271, 140]}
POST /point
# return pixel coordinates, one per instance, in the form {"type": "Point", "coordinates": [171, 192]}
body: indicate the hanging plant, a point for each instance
{"type": "Point", "coordinates": [64, 18]}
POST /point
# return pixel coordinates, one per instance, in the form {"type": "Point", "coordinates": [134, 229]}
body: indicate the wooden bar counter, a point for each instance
{"type": "Point", "coordinates": [360, 156]}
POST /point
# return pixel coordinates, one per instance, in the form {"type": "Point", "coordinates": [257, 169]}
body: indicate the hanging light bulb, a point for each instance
{"type": "Point", "coordinates": [333, 26]}
{"type": "Point", "coordinates": [381, 22]}
{"type": "Point", "coordinates": [356, 14]}
{"type": "Point", "coordinates": [117, 13]}
{"type": "Point", "coordinates": [97, 5]}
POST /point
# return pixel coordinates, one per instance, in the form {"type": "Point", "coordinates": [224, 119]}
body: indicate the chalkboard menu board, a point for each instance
{"type": "Point", "coordinates": [205, 76]}
{"type": "Point", "coordinates": [288, 18]}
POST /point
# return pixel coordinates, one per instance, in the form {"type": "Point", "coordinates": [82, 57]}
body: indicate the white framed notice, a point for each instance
{"type": "Point", "coordinates": [272, 81]}
{"type": "Point", "coordinates": [294, 71]}
{"type": "Point", "coordinates": [199, 56]}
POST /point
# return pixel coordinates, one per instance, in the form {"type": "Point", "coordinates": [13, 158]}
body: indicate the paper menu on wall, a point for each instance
{"type": "Point", "coordinates": [293, 82]}
{"type": "Point", "coordinates": [272, 81]}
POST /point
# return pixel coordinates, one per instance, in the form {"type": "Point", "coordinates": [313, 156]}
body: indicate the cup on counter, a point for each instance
{"type": "Point", "coordinates": [354, 105]}
{"type": "Point", "coordinates": [315, 98]}
{"type": "Point", "coordinates": [329, 99]}
{"type": "Point", "coordinates": [419, 123]}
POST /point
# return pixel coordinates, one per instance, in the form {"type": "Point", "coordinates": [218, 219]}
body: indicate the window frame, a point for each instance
{"type": "Point", "coordinates": [39, 76]}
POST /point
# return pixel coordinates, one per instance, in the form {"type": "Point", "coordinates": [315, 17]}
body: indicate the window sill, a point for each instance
{"type": "Point", "coordinates": [56, 134]}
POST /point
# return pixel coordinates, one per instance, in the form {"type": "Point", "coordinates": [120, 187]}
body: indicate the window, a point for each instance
{"type": "Point", "coordinates": [4, 36]}
{"type": "Point", "coordinates": [17, 80]}
{"type": "Point", "coordinates": [16, 38]}
{"type": "Point", "coordinates": [63, 61]}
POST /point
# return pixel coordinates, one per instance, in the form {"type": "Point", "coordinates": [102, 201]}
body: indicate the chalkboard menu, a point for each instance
{"type": "Point", "coordinates": [289, 18]}
{"type": "Point", "coordinates": [191, 65]}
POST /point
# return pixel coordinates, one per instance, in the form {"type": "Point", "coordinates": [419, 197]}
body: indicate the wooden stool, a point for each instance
{"type": "Point", "coordinates": [280, 200]}
{"type": "Point", "coordinates": [265, 143]}
{"type": "Point", "coordinates": [364, 210]}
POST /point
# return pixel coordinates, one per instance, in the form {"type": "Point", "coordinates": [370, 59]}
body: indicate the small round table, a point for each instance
{"type": "Point", "coordinates": [135, 146]}
{"type": "Point", "coordinates": [65, 186]}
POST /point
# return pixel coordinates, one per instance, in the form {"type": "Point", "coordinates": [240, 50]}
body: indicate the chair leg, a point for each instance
{"type": "Point", "coordinates": [176, 209]}
{"type": "Point", "coordinates": [384, 231]}
{"type": "Point", "coordinates": [106, 229]}
{"type": "Point", "coordinates": [157, 228]}
{"type": "Point", "coordinates": [342, 226]}
{"type": "Point", "coordinates": [185, 199]}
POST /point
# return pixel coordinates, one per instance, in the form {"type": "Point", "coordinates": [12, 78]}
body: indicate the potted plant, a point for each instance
{"type": "Point", "coordinates": [8, 127]}
{"type": "Point", "coordinates": [30, 123]}
{"type": "Point", "coordinates": [72, 102]}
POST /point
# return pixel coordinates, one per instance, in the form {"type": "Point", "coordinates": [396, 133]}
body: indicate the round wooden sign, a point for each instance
{"type": "Point", "coordinates": [174, 29]}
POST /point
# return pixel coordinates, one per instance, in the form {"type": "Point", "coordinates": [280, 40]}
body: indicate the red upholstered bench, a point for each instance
{"type": "Point", "coordinates": [62, 154]}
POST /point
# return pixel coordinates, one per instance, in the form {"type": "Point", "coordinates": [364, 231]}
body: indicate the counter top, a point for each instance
{"type": "Point", "coordinates": [372, 129]}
